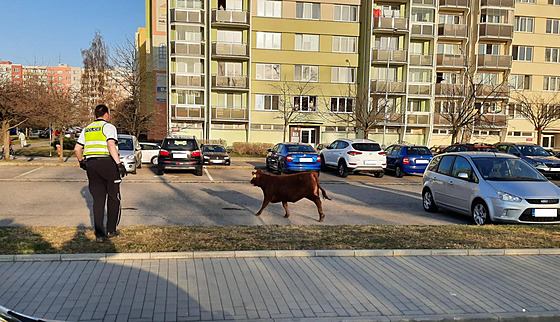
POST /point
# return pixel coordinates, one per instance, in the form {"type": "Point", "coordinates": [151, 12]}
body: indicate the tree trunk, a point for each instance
{"type": "Point", "coordinates": [61, 142]}
{"type": "Point", "coordinates": [539, 136]}
{"type": "Point", "coordinates": [284, 132]}
{"type": "Point", "coordinates": [6, 135]}
{"type": "Point", "coordinates": [366, 134]}
{"type": "Point", "coordinates": [453, 136]}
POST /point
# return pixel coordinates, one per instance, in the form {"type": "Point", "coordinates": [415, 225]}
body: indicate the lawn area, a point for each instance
{"type": "Point", "coordinates": [67, 240]}
{"type": "Point", "coordinates": [41, 151]}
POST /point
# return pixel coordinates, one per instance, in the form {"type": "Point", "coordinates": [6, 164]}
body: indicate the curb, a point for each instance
{"type": "Point", "coordinates": [280, 254]}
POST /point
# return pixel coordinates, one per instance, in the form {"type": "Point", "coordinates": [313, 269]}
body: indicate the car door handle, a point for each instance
{"type": "Point", "coordinates": [450, 182]}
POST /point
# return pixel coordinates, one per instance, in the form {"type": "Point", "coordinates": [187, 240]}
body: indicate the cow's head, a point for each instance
{"type": "Point", "coordinates": [256, 176]}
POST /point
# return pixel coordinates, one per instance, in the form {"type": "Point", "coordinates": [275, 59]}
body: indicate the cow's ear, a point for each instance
{"type": "Point", "coordinates": [254, 175]}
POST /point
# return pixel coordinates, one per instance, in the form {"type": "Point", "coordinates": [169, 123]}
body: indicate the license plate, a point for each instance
{"type": "Point", "coordinates": [422, 161]}
{"type": "Point", "coordinates": [370, 162]}
{"type": "Point", "coordinates": [554, 169]}
{"type": "Point", "coordinates": [305, 159]}
{"type": "Point", "coordinates": [545, 212]}
{"type": "Point", "coordinates": [180, 155]}
{"type": "Point", "coordinates": [217, 161]}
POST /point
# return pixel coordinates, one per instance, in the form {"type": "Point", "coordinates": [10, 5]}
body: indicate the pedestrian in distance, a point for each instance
{"type": "Point", "coordinates": [22, 139]}
{"type": "Point", "coordinates": [97, 153]}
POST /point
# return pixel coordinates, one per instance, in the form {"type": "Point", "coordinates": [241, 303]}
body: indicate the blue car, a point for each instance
{"type": "Point", "coordinates": [287, 157]}
{"type": "Point", "coordinates": [537, 156]}
{"type": "Point", "coordinates": [406, 159]}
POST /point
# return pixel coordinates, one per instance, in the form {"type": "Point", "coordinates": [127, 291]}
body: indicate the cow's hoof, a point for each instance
{"type": "Point", "coordinates": [321, 219]}
{"type": "Point", "coordinates": [257, 214]}
{"type": "Point", "coordinates": [286, 216]}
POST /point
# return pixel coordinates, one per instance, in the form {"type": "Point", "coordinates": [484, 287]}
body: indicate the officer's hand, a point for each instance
{"type": "Point", "coordinates": [83, 164]}
{"type": "Point", "coordinates": [122, 170]}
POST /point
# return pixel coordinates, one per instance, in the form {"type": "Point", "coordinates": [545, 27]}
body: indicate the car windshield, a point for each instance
{"type": "Point", "coordinates": [125, 144]}
{"type": "Point", "coordinates": [366, 146]}
{"type": "Point", "coordinates": [299, 148]}
{"type": "Point", "coordinates": [418, 150]}
{"type": "Point", "coordinates": [506, 169]}
{"type": "Point", "coordinates": [181, 145]}
{"type": "Point", "coordinates": [214, 148]}
{"type": "Point", "coordinates": [533, 150]}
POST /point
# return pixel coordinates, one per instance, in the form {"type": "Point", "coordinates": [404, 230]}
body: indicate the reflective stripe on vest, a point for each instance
{"type": "Point", "coordinates": [96, 141]}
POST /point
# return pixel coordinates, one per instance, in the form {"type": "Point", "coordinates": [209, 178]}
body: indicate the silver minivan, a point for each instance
{"type": "Point", "coordinates": [130, 152]}
{"type": "Point", "coordinates": [490, 187]}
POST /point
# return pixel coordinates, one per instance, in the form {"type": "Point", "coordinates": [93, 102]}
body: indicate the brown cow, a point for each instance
{"type": "Point", "coordinates": [292, 187]}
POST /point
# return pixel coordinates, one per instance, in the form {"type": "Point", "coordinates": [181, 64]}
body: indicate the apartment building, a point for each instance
{"type": "Point", "coordinates": [11, 72]}
{"type": "Point", "coordinates": [267, 71]}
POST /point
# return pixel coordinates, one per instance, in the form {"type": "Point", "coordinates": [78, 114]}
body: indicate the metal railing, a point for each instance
{"type": "Point", "coordinates": [234, 82]}
{"type": "Point", "coordinates": [454, 3]}
{"type": "Point", "coordinates": [494, 61]}
{"type": "Point", "coordinates": [391, 23]}
{"type": "Point", "coordinates": [452, 30]}
{"type": "Point", "coordinates": [189, 16]}
{"type": "Point", "coordinates": [498, 3]}
{"type": "Point", "coordinates": [187, 112]}
{"type": "Point", "coordinates": [230, 17]}
{"type": "Point", "coordinates": [424, 3]}
{"type": "Point", "coordinates": [393, 55]}
{"type": "Point", "coordinates": [449, 60]}
{"type": "Point", "coordinates": [421, 60]}
{"type": "Point", "coordinates": [187, 80]}
{"type": "Point", "coordinates": [418, 118]}
{"type": "Point", "coordinates": [230, 49]}
{"type": "Point", "coordinates": [422, 29]}
{"type": "Point", "coordinates": [496, 30]}
{"type": "Point", "coordinates": [387, 86]}
{"type": "Point", "coordinates": [229, 113]}
{"type": "Point", "coordinates": [180, 48]}
{"type": "Point", "coordinates": [449, 90]}
{"type": "Point", "coordinates": [420, 89]}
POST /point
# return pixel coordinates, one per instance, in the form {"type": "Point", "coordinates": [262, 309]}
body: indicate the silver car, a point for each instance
{"type": "Point", "coordinates": [490, 187]}
{"type": "Point", "coordinates": [130, 152]}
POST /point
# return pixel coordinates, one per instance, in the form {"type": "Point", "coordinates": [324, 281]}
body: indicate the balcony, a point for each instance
{"type": "Point", "coordinates": [229, 113]}
{"type": "Point", "coordinates": [422, 30]}
{"type": "Point", "coordinates": [231, 18]}
{"type": "Point", "coordinates": [419, 118]}
{"type": "Point", "coordinates": [454, 4]}
{"type": "Point", "coordinates": [189, 81]}
{"type": "Point", "coordinates": [498, 92]}
{"type": "Point", "coordinates": [496, 31]}
{"type": "Point", "coordinates": [230, 50]}
{"type": "Point", "coordinates": [424, 3]}
{"type": "Point", "coordinates": [491, 120]}
{"type": "Point", "coordinates": [187, 112]}
{"type": "Point", "coordinates": [187, 16]}
{"type": "Point", "coordinates": [391, 55]}
{"type": "Point", "coordinates": [450, 61]}
{"type": "Point", "coordinates": [387, 86]}
{"type": "Point", "coordinates": [494, 61]}
{"type": "Point", "coordinates": [230, 82]}
{"type": "Point", "coordinates": [421, 60]}
{"type": "Point", "coordinates": [448, 30]}
{"type": "Point", "coordinates": [498, 3]}
{"type": "Point", "coordinates": [390, 23]}
{"type": "Point", "coordinates": [449, 90]}
{"type": "Point", "coordinates": [179, 48]}
{"type": "Point", "coordinates": [420, 89]}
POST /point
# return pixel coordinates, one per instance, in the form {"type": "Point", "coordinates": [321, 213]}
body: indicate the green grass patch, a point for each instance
{"type": "Point", "coordinates": [41, 151]}
{"type": "Point", "coordinates": [67, 240]}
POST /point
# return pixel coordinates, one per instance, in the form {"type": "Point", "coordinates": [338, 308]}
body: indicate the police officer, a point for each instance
{"type": "Point", "coordinates": [97, 153]}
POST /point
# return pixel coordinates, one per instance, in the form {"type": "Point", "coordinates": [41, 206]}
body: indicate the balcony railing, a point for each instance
{"type": "Point", "coordinates": [452, 30]}
{"type": "Point", "coordinates": [448, 60]}
{"type": "Point", "coordinates": [231, 82]}
{"type": "Point", "coordinates": [463, 4]}
{"type": "Point", "coordinates": [496, 30]}
{"type": "Point", "coordinates": [187, 81]}
{"type": "Point", "coordinates": [420, 89]}
{"type": "Point", "coordinates": [498, 3]}
{"type": "Point", "coordinates": [179, 48]}
{"type": "Point", "coordinates": [494, 61]}
{"type": "Point", "coordinates": [229, 113]}
{"type": "Point", "coordinates": [491, 120]}
{"type": "Point", "coordinates": [493, 91]}
{"type": "Point", "coordinates": [187, 112]}
{"type": "Point", "coordinates": [231, 17]}
{"type": "Point", "coordinates": [230, 49]}
{"type": "Point", "coordinates": [390, 23]}
{"type": "Point", "coordinates": [385, 86]}
{"type": "Point", "coordinates": [187, 16]}
{"type": "Point", "coordinates": [424, 3]}
{"type": "Point", "coordinates": [393, 55]}
{"type": "Point", "coordinates": [449, 90]}
{"type": "Point", "coordinates": [422, 29]}
{"type": "Point", "coordinates": [418, 118]}
{"type": "Point", "coordinates": [421, 60]}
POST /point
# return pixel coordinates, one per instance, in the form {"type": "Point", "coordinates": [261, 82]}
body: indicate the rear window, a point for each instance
{"type": "Point", "coordinates": [299, 148]}
{"type": "Point", "coordinates": [180, 145]}
{"type": "Point", "coordinates": [214, 148]}
{"type": "Point", "coordinates": [418, 150]}
{"type": "Point", "coordinates": [125, 144]}
{"type": "Point", "coordinates": [366, 146]}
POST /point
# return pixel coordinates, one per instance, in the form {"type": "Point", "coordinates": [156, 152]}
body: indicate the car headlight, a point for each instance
{"type": "Point", "coordinates": [508, 197]}
{"type": "Point", "coordinates": [130, 157]}
{"type": "Point", "coordinates": [227, 158]}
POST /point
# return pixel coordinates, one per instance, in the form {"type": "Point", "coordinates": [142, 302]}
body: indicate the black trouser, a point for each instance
{"type": "Point", "coordinates": [102, 173]}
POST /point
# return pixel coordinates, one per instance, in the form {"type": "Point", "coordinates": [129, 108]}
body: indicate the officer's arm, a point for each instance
{"type": "Point", "coordinates": [78, 149]}
{"type": "Point", "coordinates": [113, 150]}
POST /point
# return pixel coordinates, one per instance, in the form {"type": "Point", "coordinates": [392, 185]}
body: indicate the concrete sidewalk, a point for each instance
{"type": "Point", "coordinates": [388, 285]}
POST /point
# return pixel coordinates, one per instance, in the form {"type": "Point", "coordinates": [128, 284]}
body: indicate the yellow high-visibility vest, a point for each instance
{"type": "Point", "coordinates": [96, 141]}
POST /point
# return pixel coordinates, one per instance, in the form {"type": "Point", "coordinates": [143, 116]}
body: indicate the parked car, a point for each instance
{"type": "Point", "coordinates": [436, 149]}
{"type": "Point", "coordinates": [354, 155]}
{"type": "Point", "coordinates": [490, 187]}
{"type": "Point", "coordinates": [535, 155]}
{"type": "Point", "coordinates": [150, 152]}
{"type": "Point", "coordinates": [407, 159]}
{"type": "Point", "coordinates": [129, 152]}
{"type": "Point", "coordinates": [461, 147]}
{"type": "Point", "coordinates": [8, 315]}
{"type": "Point", "coordinates": [181, 153]}
{"type": "Point", "coordinates": [287, 156]}
{"type": "Point", "coordinates": [215, 154]}
{"type": "Point", "coordinates": [35, 133]}
{"type": "Point", "coordinates": [45, 133]}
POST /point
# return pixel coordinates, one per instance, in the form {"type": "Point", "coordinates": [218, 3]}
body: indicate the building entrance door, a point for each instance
{"type": "Point", "coordinates": [309, 135]}
{"type": "Point", "coordinates": [548, 141]}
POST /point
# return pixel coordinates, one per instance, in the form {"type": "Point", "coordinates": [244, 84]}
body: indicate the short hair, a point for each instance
{"type": "Point", "coordinates": [100, 110]}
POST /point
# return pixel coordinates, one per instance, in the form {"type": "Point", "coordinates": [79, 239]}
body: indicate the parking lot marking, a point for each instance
{"type": "Point", "coordinates": [208, 174]}
{"type": "Point", "coordinates": [28, 172]}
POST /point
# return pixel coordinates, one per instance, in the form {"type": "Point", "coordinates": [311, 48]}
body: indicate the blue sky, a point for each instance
{"type": "Point", "coordinates": [38, 31]}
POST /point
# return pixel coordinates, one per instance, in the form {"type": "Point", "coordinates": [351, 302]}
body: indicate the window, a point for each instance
{"type": "Point", "coordinates": [268, 8]}
{"type": "Point", "coordinates": [487, 79]}
{"type": "Point", "coordinates": [307, 42]}
{"type": "Point", "coordinates": [450, 49]}
{"type": "Point", "coordinates": [384, 73]}
{"type": "Point", "coordinates": [450, 19]}
{"type": "Point", "coordinates": [343, 75]}
{"type": "Point", "coordinates": [230, 69]}
{"type": "Point", "coordinates": [230, 36]}
{"type": "Point", "coordinates": [265, 102]}
{"type": "Point", "coordinates": [229, 100]}
{"type": "Point", "coordinates": [420, 75]}
{"type": "Point", "coordinates": [525, 1]}
{"type": "Point", "coordinates": [189, 65]}
{"type": "Point", "coordinates": [514, 111]}
{"type": "Point", "coordinates": [345, 13]}
{"type": "Point", "coordinates": [446, 164]}
{"type": "Point", "coordinates": [189, 4]}
{"type": "Point", "coordinates": [422, 14]}
{"type": "Point", "coordinates": [307, 10]}
{"type": "Point", "coordinates": [342, 104]}
{"type": "Point", "coordinates": [461, 165]}
{"type": "Point", "coordinates": [552, 55]}
{"type": "Point", "coordinates": [551, 83]}
{"type": "Point", "coordinates": [493, 16]}
{"type": "Point", "coordinates": [552, 26]}
{"type": "Point", "coordinates": [268, 71]}
{"type": "Point", "coordinates": [344, 44]}
{"type": "Point", "coordinates": [306, 73]}
{"type": "Point", "coordinates": [305, 103]}
{"type": "Point", "coordinates": [520, 82]}
{"type": "Point", "coordinates": [524, 24]}
{"type": "Point", "coordinates": [418, 105]}
{"type": "Point", "coordinates": [269, 40]}
{"type": "Point", "coordinates": [385, 43]}
{"type": "Point", "coordinates": [488, 49]}
{"type": "Point", "coordinates": [554, 2]}
{"type": "Point", "coordinates": [522, 53]}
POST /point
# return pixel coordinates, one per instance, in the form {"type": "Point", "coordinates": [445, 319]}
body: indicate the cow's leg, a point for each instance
{"type": "Point", "coordinates": [317, 201]}
{"type": "Point", "coordinates": [265, 203]}
{"type": "Point", "coordinates": [285, 204]}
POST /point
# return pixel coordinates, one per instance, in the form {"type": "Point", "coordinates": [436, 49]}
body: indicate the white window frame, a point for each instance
{"type": "Point", "coordinates": [345, 13]}
{"type": "Point", "coordinates": [553, 26]}
{"type": "Point", "coordinates": [306, 73]}
{"type": "Point", "coordinates": [554, 2]}
{"type": "Point", "coordinates": [551, 84]}
{"type": "Point", "coordinates": [298, 103]}
{"type": "Point", "coordinates": [269, 8]}
{"type": "Point", "coordinates": [520, 82]}
{"type": "Point", "coordinates": [524, 24]}
{"type": "Point", "coordinates": [261, 101]}
{"type": "Point", "coordinates": [343, 44]}
{"type": "Point", "coordinates": [308, 10]}
{"type": "Point", "coordinates": [339, 102]}
{"type": "Point", "coordinates": [337, 75]}
{"type": "Point", "coordinates": [306, 42]}
{"type": "Point", "coordinates": [522, 53]}
{"type": "Point", "coordinates": [262, 70]}
{"type": "Point", "coordinates": [269, 40]}
{"type": "Point", "coordinates": [552, 55]}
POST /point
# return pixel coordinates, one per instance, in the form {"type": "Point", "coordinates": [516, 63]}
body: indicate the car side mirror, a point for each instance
{"type": "Point", "coordinates": [463, 175]}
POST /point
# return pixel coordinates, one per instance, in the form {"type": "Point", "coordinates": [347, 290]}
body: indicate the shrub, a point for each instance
{"type": "Point", "coordinates": [68, 143]}
{"type": "Point", "coordinates": [247, 148]}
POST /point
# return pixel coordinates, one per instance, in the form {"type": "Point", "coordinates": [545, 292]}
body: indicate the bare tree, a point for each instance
{"type": "Point", "coordinates": [94, 89]}
{"type": "Point", "coordinates": [540, 110]}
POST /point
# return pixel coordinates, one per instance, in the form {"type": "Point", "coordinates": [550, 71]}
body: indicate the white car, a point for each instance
{"type": "Point", "coordinates": [150, 152]}
{"type": "Point", "coordinates": [354, 155]}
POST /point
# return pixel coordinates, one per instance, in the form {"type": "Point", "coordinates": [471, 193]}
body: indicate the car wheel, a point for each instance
{"type": "Point", "coordinates": [428, 201]}
{"type": "Point", "coordinates": [154, 160]}
{"type": "Point", "coordinates": [342, 169]}
{"type": "Point", "coordinates": [398, 172]}
{"type": "Point", "coordinates": [480, 213]}
{"type": "Point", "coordinates": [379, 174]}
{"type": "Point", "coordinates": [198, 172]}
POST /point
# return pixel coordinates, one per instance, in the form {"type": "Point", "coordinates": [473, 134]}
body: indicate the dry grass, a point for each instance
{"type": "Point", "coordinates": [48, 240]}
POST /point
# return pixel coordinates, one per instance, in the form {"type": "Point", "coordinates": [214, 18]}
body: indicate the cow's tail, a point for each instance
{"type": "Point", "coordinates": [323, 192]}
